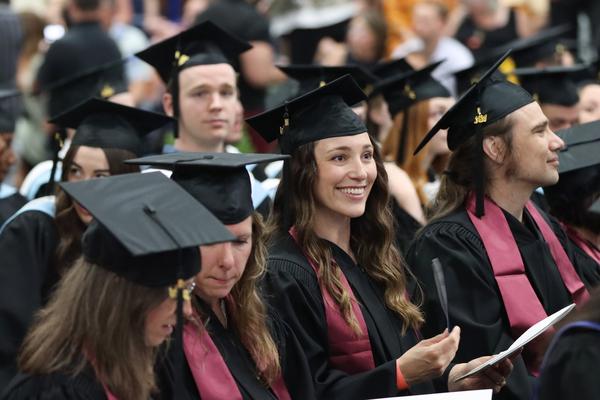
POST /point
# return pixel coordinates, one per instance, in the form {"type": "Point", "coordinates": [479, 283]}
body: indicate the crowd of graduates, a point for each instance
{"type": "Point", "coordinates": [183, 218]}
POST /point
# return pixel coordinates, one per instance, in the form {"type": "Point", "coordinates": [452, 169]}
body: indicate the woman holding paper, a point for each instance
{"type": "Point", "coordinates": [334, 273]}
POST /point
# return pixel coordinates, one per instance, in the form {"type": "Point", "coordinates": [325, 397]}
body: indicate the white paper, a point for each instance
{"type": "Point", "coordinates": [466, 395]}
{"type": "Point", "coordinates": [530, 334]}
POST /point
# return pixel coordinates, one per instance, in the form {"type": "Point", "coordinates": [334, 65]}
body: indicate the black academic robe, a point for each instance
{"type": "Point", "coordinates": [474, 299]}
{"type": "Point", "coordinates": [55, 386]}
{"type": "Point", "coordinates": [571, 370]}
{"type": "Point", "coordinates": [405, 227]}
{"type": "Point", "coordinates": [240, 364]}
{"type": "Point", "coordinates": [27, 247]}
{"type": "Point", "coordinates": [9, 205]}
{"type": "Point", "coordinates": [293, 290]}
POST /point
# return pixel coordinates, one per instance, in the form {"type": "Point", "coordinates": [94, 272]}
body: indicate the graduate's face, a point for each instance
{"type": "Point", "coordinates": [161, 320]}
{"type": "Point", "coordinates": [438, 145]}
{"type": "Point", "coordinates": [346, 171]}
{"type": "Point", "coordinates": [561, 117]}
{"type": "Point", "coordinates": [535, 147]}
{"type": "Point", "coordinates": [224, 264]}
{"type": "Point", "coordinates": [88, 163]}
{"type": "Point", "coordinates": [589, 103]}
{"type": "Point", "coordinates": [208, 103]}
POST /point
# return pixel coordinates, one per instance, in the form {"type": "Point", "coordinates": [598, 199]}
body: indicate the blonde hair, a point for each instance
{"type": "Point", "coordinates": [95, 314]}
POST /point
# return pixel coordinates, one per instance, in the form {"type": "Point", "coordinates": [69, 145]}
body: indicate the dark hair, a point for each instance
{"type": "Point", "coordinates": [372, 235]}
{"type": "Point", "coordinates": [87, 5]}
{"type": "Point", "coordinates": [590, 311]}
{"type": "Point", "coordinates": [571, 197]}
{"type": "Point", "coordinates": [68, 225]}
{"type": "Point", "coordinates": [459, 179]}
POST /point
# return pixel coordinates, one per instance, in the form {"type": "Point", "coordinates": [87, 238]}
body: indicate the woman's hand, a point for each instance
{"type": "Point", "coordinates": [490, 378]}
{"type": "Point", "coordinates": [429, 358]}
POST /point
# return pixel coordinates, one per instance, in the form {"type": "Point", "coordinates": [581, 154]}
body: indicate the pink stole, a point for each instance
{"type": "Point", "coordinates": [107, 392]}
{"type": "Point", "coordinates": [349, 352]}
{"type": "Point", "coordinates": [211, 375]}
{"type": "Point", "coordinates": [583, 244]}
{"type": "Point", "coordinates": [520, 300]}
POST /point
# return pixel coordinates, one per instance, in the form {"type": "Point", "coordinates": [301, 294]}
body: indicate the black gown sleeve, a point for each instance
{"type": "Point", "coordinates": [54, 386]}
{"type": "Point", "coordinates": [571, 368]}
{"type": "Point", "coordinates": [27, 246]}
{"type": "Point", "coordinates": [293, 291]}
{"type": "Point", "coordinates": [474, 301]}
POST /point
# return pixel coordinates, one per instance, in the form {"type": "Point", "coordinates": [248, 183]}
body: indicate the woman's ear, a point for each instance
{"type": "Point", "coordinates": [167, 102]}
{"type": "Point", "coordinates": [494, 148]}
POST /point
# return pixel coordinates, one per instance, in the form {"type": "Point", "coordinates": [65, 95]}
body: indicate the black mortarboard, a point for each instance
{"type": "Point", "coordinates": [219, 180]}
{"type": "Point", "coordinates": [204, 43]}
{"type": "Point", "coordinates": [552, 85]}
{"type": "Point", "coordinates": [545, 45]}
{"type": "Point", "coordinates": [484, 103]}
{"type": "Point", "coordinates": [10, 108]}
{"type": "Point", "coordinates": [312, 77]}
{"type": "Point", "coordinates": [144, 226]}
{"type": "Point", "coordinates": [105, 124]}
{"type": "Point", "coordinates": [582, 147]}
{"type": "Point", "coordinates": [102, 81]}
{"type": "Point", "coordinates": [322, 113]}
{"type": "Point", "coordinates": [404, 90]}
{"type": "Point", "coordinates": [387, 69]}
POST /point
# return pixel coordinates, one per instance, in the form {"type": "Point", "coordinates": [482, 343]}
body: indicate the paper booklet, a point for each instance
{"type": "Point", "coordinates": [466, 395]}
{"type": "Point", "coordinates": [525, 338]}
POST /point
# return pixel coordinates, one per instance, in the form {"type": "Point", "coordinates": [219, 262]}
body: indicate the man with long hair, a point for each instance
{"type": "Point", "coordinates": [507, 264]}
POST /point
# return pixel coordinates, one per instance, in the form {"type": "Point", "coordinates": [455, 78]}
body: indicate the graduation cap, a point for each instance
{"type": "Point", "coordinates": [388, 69]}
{"type": "Point", "coordinates": [582, 147]}
{"type": "Point", "coordinates": [312, 77]}
{"type": "Point", "coordinates": [143, 224]}
{"type": "Point", "coordinates": [102, 81]}
{"type": "Point", "coordinates": [10, 108]}
{"type": "Point", "coordinates": [403, 90]}
{"type": "Point", "coordinates": [319, 114]}
{"type": "Point", "coordinates": [487, 101]}
{"type": "Point", "coordinates": [219, 180]}
{"type": "Point", "coordinates": [545, 45]}
{"type": "Point", "coordinates": [204, 43]}
{"type": "Point", "coordinates": [552, 85]}
{"type": "Point", "coordinates": [105, 124]}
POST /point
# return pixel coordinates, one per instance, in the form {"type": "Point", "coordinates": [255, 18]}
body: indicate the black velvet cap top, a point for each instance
{"type": "Point", "coordinates": [102, 81]}
{"type": "Point", "coordinates": [319, 114]}
{"type": "Point", "coordinates": [582, 147]}
{"type": "Point", "coordinates": [203, 44]}
{"type": "Point", "coordinates": [388, 69]}
{"type": "Point", "coordinates": [10, 107]}
{"type": "Point", "coordinates": [312, 77]}
{"type": "Point", "coordinates": [146, 228]}
{"type": "Point", "coordinates": [105, 124]}
{"type": "Point", "coordinates": [220, 181]}
{"type": "Point", "coordinates": [487, 101]}
{"type": "Point", "coordinates": [404, 90]}
{"type": "Point", "coordinates": [552, 85]}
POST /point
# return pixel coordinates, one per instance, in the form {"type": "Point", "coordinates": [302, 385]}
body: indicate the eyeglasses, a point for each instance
{"type": "Point", "coordinates": [186, 289]}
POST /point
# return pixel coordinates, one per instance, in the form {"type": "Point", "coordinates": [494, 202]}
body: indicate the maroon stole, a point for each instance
{"type": "Point", "coordinates": [521, 303]}
{"type": "Point", "coordinates": [211, 375]}
{"type": "Point", "coordinates": [349, 352]}
{"type": "Point", "coordinates": [590, 250]}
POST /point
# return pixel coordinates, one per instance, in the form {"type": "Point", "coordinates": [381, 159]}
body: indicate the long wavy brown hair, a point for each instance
{"type": "Point", "coordinates": [459, 179]}
{"type": "Point", "coordinates": [96, 314]}
{"type": "Point", "coordinates": [416, 128]}
{"type": "Point", "coordinates": [247, 311]}
{"type": "Point", "coordinates": [371, 237]}
{"type": "Point", "coordinates": [68, 225]}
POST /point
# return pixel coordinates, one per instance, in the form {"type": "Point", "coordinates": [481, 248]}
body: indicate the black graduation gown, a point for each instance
{"type": "Point", "coordinates": [27, 247]}
{"type": "Point", "coordinates": [9, 205]}
{"type": "Point", "coordinates": [474, 299]}
{"type": "Point", "coordinates": [405, 227]}
{"type": "Point", "coordinates": [571, 370]}
{"type": "Point", "coordinates": [55, 386]}
{"type": "Point", "coordinates": [293, 290]}
{"type": "Point", "coordinates": [240, 364]}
